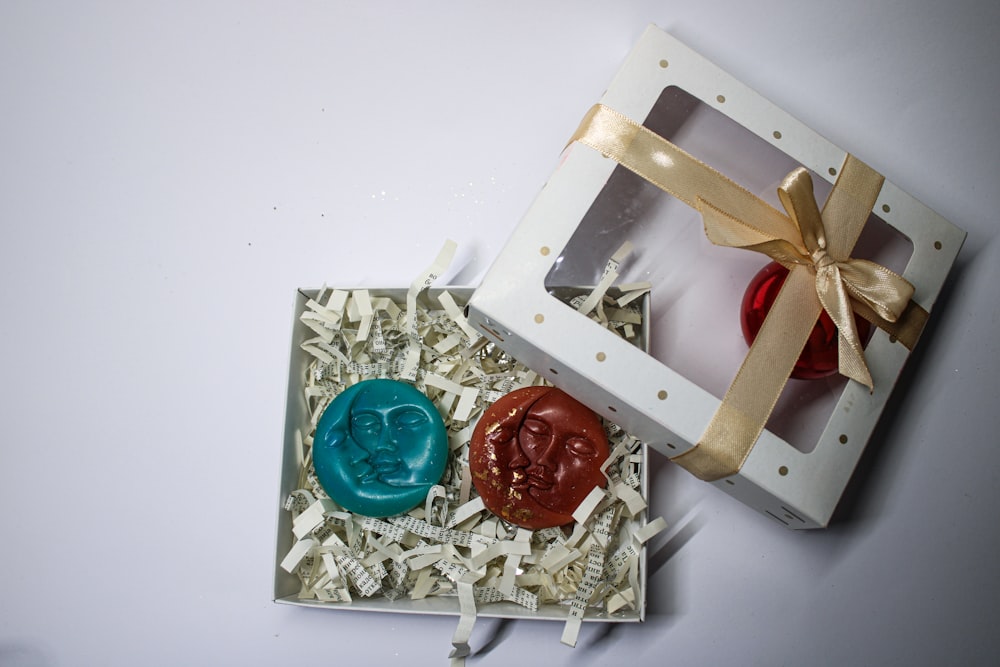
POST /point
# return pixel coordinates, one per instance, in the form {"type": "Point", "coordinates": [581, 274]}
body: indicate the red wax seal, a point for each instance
{"type": "Point", "coordinates": [535, 455]}
{"type": "Point", "coordinates": [820, 354]}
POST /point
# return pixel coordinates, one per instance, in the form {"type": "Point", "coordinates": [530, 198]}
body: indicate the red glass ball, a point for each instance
{"type": "Point", "coordinates": [820, 354]}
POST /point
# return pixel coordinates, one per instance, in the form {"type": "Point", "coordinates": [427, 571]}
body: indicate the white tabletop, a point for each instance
{"type": "Point", "coordinates": [169, 175]}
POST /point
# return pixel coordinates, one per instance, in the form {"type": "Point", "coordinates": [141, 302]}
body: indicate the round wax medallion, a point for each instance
{"type": "Point", "coordinates": [535, 455]}
{"type": "Point", "coordinates": [379, 448]}
{"type": "Point", "coordinates": [819, 357]}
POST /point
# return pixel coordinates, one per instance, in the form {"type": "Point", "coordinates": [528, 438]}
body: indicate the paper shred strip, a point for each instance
{"type": "Point", "coordinates": [337, 302]}
{"type": "Point", "coordinates": [455, 313]}
{"type": "Point", "coordinates": [423, 585]}
{"type": "Point", "coordinates": [586, 508]}
{"type": "Point", "coordinates": [655, 526]}
{"type": "Point", "coordinates": [388, 530]}
{"type": "Point", "coordinates": [426, 530]}
{"type": "Point", "coordinates": [297, 553]}
{"type": "Point", "coordinates": [558, 557]}
{"type": "Point", "coordinates": [609, 277]}
{"type": "Point", "coordinates": [466, 404]}
{"type": "Point", "coordinates": [631, 292]}
{"type": "Point", "coordinates": [621, 600]}
{"type": "Point", "coordinates": [501, 548]}
{"type": "Point", "coordinates": [425, 280]}
{"type": "Point", "coordinates": [460, 641]}
{"type": "Point", "coordinates": [578, 608]}
{"type": "Point", "coordinates": [463, 512]}
{"type": "Point", "coordinates": [633, 499]}
{"type": "Point", "coordinates": [436, 497]}
{"type": "Point", "coordinates": [359, 309]}
{"type": "Point", "coordinates": [308, 520]}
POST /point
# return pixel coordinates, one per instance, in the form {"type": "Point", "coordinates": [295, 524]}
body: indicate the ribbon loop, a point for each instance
{"type": "Point", "coordinates": [832, 294]}
{"type": "Point", "coordinates": [796, 195]}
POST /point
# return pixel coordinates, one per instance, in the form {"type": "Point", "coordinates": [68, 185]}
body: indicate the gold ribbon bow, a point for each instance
{"type": "Point", "coordinates": [814, 246]}
{"type": "Point", "coordinates": [882, 290]}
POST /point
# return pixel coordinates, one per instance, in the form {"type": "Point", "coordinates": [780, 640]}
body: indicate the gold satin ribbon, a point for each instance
{"type": "Point", "coordinates": [814, 246]}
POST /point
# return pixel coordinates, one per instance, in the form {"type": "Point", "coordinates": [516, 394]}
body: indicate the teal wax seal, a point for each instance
{"type": "Point", "coordinates": [379, 448]}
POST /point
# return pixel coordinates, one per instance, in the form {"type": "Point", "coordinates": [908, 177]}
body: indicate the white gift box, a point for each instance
{"type": "Point", "coordinates": [288, 587]}
{"type": "Point", "coordinates": [799, 466]}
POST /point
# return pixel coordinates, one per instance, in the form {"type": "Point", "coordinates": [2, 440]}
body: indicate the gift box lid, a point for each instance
{"type": "Point", "coordinates": [606, 208]}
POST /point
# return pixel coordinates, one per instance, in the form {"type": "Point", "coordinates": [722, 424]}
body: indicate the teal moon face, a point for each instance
{"type": "Point", "coordinates": [379, 448]}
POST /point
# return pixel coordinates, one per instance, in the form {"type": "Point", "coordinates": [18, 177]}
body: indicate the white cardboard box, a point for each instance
{"type": "Point", "coordinates": [800, 465]}
{"type": "Point", "coordinates": [297, 419]}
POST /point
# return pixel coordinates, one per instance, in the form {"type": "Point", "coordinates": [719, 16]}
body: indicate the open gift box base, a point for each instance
{"type": "Point", "coordinates": [300, 411]}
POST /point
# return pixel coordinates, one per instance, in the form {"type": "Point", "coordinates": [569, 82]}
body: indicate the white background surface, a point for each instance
{"type": "Point", "coordinates": [170, 174]}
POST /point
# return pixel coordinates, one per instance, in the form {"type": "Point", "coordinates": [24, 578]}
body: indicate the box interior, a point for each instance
{"type": "Point", "coordinates": [287, 586]}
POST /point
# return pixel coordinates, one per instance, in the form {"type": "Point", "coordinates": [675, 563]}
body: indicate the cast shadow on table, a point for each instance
{"type": "Point", "coordinates": [660, 603]}
{"type": "Point", "coordinates": [501, 629]}
{"type": "Point", "coordinates": [856, 512]}
{"type": "Point", "coordinates": [661, 598]}
{"type": "Point", "coordinates": [24, 654]}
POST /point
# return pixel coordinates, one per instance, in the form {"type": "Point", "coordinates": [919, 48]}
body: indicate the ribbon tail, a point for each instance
{"type": "Point", "coordinates": [882, 290]}
{"type": "Point", "coordinates": [833, 295]}
{"type": "Point", "coordinates": [852, 359]}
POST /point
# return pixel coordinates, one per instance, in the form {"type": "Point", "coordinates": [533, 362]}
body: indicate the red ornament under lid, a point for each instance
{"type": "Point", "coordinates": [820, 355]}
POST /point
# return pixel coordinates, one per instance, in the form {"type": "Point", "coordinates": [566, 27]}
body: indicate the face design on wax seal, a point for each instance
{"type": "Point", "coordinates": [535, 455]}
{"type": "Point", "coordinates": [379, 448]}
